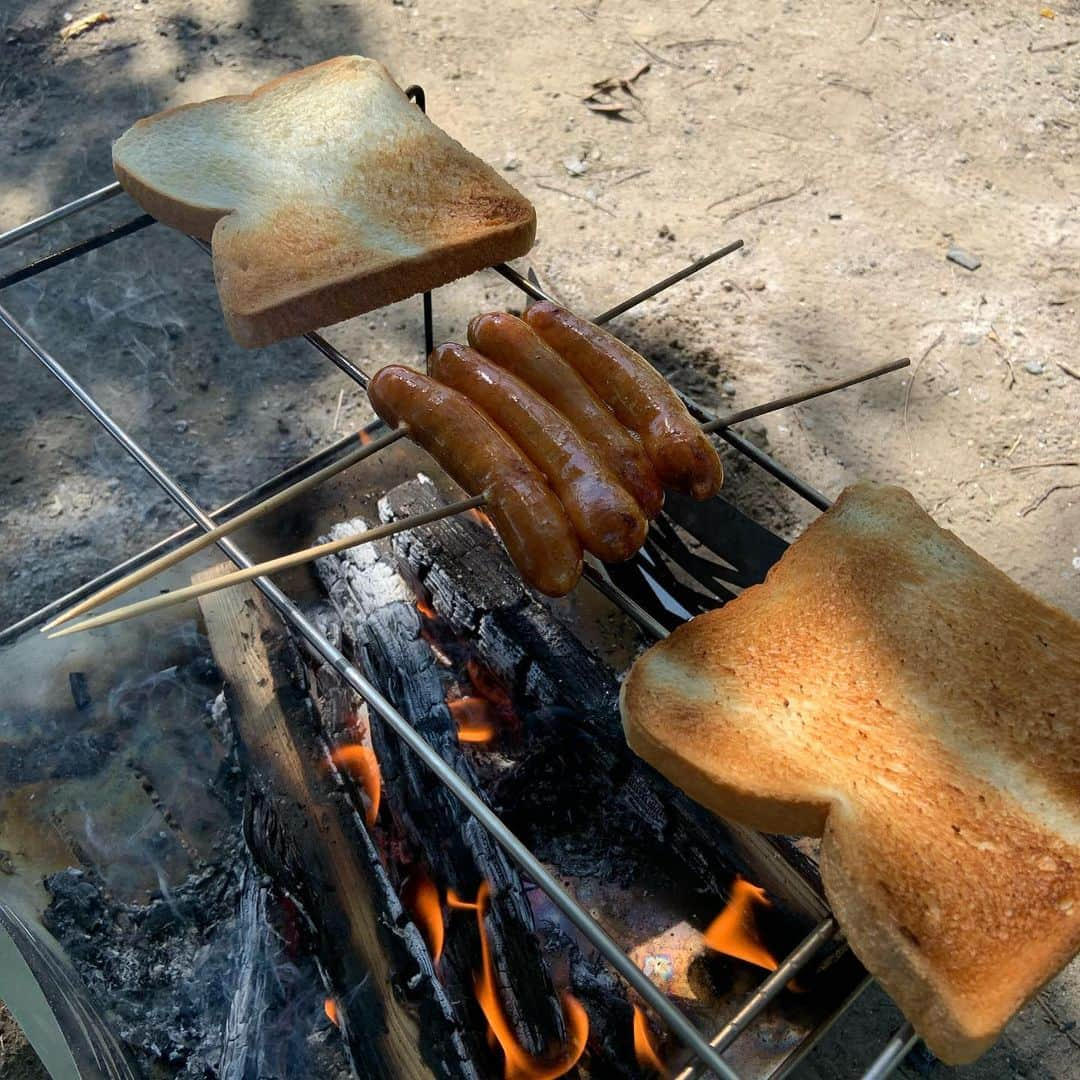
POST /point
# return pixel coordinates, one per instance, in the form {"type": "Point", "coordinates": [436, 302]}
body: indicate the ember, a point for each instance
{"type": "Point", "coordinates": [734, 932]}
{"type": "Point", "coordinates": [519, 1064]}
{"type": "Point", "coordinates": [644, 1048]}
{"type": "Point", "coordinates": [473, 718]}
{"type": "Point", "coordinates": [330, 1008]}
{"type": "Point", "coordinates": [421, 897]}
{"type": "Point", "coordinates": [362, 765]}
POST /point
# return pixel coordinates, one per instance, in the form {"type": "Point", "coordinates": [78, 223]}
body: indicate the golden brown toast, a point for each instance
{"type": "Point", "coordinates": [325, 193]}
{"type": "Point", "coordinates": [889, 689]}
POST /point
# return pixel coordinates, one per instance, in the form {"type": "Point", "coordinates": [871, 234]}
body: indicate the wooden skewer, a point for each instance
{"type": "Point", "coordinates": [801, 396]}
{"type": "Point", "coordinates": [171, 558]}
{"type": "Point", "coordinates": [272, 566]}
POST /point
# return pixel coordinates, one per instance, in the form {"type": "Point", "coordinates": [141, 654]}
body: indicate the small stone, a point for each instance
{"type": "Point", "coordinates": [963, 258]}
{"type": "Point", "coordinates": [728, 388]}
{"type": "Point", "coordinates": [836, 216]}
{"type": "Point", "coordinates": [511, 162]}
{"type": "Point", "coordinates": [575, 166]}
{"type": "Point", "coordinates": [1033, 367]}
{"type": "Point", "coordinates": [181, 426]}
{"type": "Point", "coordinates": [758, 286]}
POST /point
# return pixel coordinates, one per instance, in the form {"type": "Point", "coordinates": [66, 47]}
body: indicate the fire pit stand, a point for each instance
{"type": "Point", "coordinates": [708, 1053]}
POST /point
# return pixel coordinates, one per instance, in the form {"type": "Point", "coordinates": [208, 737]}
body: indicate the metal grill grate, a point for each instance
{"type": "Point", "coordinates": [707, 1052]}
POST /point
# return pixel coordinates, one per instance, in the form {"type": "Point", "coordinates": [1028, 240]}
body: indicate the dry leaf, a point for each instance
{"type": "Point", "coordinates": [78, 27]}
{"type": "Point", "coordinates": [1048, 13]}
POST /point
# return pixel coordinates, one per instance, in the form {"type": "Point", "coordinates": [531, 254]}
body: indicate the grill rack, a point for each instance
{"type": "Point", "coordinates": [707, 1052]}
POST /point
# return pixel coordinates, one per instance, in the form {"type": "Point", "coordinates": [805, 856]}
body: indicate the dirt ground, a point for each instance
{"type": "Point", "coordinates": [851, 145]}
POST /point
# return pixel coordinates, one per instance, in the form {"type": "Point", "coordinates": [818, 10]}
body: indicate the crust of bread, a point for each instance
{"type": "Point", "coordinates": [324, 194]}
{"type": "Point", "coordinates": [888, 688]}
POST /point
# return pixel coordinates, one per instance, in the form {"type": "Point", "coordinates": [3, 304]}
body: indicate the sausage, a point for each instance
{"type": "Point", "coordinates": [607, 520]}
{"type": "Point", "coordinates": [525, 511]}
{"type": "Point", "coordinates": [514, 345]}
{"type": "Point", "coordinates": [639, 396]}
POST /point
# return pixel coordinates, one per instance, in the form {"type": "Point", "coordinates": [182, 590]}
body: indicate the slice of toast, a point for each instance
{"type": "Point", "coordinates": [325, 193]}
{"type": "Point", "coordinates": [888, 688]}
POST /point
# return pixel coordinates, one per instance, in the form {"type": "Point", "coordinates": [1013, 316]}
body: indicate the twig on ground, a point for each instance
{"type": "Point", "coordinates": [701, 9]}
{"type": "Point", "coordinates": [1056, 1020]}
{"type": "Point", "coordinates": [337, 414]}
{"type": "Point", "coordinates": [762, 202]}
{"type": "Point", "coordinates": [911, 382]}
{"type": "Point", "coordinates": [574, 195]}
{"type": "Point", "coordinates": [873, 25]}
{"type": "Point", "coordinates": [1012, 449]}
{"type": "Point", "coordinates": [656, 56]}
{"type": "Point", "coordinates": [1046, 495]}
{"type": "Point", "coordinates": [632, 176]}
{"type": "Point", "coordinates": [1053, 48]}
{"type": "Point", "coordinates": [1046, 465]}
{"type": "Point", "coordinates": [1068, 370]}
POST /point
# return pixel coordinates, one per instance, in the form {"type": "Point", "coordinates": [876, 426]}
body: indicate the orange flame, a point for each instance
{"type": "Point", "coordinates": [644, 1048]}
{"type": "Point", "coordinates": [362, 765]}
{"type": "Point", "coordinates": [426, 609]}
{"type": "Point", "coordinates": [481, 517]}
{"type": "Point", "coordinates": [364, 437]}
{"type": "Point", "coordinates": [421, 897]}
{"type": "Point", "coordinates": [733, 931]}
{"type": "Point", "coordinates": [520, 1065]}
{"type": "Point", "coordinates": [473, 718]}
{"type": "Point", "coordinates": [330, 1008]}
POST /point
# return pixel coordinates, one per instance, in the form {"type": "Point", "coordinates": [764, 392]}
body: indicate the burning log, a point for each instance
{"type": "Point", "coordinates": [428, 826]}
{"type": "Point", "coordinates": [473, 585]}
{"type": "Point", "coordinates": [306, 833]}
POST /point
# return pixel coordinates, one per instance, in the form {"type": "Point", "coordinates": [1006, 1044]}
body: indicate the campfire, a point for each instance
{"type": "Point", "coordinates": [412, 775]}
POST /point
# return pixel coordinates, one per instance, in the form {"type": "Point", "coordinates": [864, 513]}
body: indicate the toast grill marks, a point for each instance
{"type": "Point", "coordinates": [326, 194]}
{"type": "Point", "coordinates": [903, 1040]}
{"type": "Point", "coordinates": [931, 739]}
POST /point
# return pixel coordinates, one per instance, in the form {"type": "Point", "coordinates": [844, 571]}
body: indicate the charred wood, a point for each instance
{"type": "Point", "coordinates": [382, 629]}
{"type": "Point", "coordinates": [305, 832]}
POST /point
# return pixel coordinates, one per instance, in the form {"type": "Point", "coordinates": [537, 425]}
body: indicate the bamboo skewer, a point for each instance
{"type": "Point", "coordinates": [171, 558]}
{"type": "Point", "coordinates": [272, 566]}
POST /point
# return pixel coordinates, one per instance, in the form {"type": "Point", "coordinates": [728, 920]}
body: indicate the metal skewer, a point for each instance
{"type": "Point", "coordinates": [271, 566]}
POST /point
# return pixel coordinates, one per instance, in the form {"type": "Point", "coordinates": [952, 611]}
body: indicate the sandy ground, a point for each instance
{"type": "Point", "coordinates": [849, 144]}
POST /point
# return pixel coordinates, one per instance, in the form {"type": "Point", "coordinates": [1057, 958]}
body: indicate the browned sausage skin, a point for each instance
{"type": "Point", "coordinates": [607, 520]}
{"type": "Point", "coordinates": [639, 396]}
{"type": "Point", "coordinates": [478, 455]}
{"type": "Point", "coordinates": [514, 345]}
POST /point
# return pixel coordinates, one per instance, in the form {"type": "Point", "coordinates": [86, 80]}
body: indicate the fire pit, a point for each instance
{"type": "Point", "coordinates": [392, 800]}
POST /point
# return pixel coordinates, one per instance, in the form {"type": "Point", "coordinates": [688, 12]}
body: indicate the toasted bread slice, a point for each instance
{"type": "Point", "coordinates": [892, 690]}
{"type": "Point", "coordinates": [325, 193]}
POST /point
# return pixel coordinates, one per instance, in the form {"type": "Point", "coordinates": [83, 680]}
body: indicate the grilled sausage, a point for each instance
{"type": "Point", "coordinates": [514, 345]}
{"type": "Point", "coordinates": [607, 520]}
{"type": "Point", "coordinates": [479, 456]}
{"type": "Point", "coordinates": [639, 396]}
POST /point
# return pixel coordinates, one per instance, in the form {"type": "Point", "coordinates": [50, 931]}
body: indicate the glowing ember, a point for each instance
{"type": "Point", "coordinates": [362, 765]}
{"type": "Point", "coordinates": [426, 609]}
{"type": "Point", "coordinates": [473, 718]}
{"type": "Point", "coordinates": [421, 897]}
{"type": "Point", "coordinates": [364, 437]}
{"type": "Point", "coordinates": [330, 1008]}
{"type": "Point", "coordinates": [480, 516]}
{"type": "Point", "coordinates": [520, 1065]}
{"type": "Point", "coordinates": [734, 932]}
{"type": "Point", "coordinates": [644, 1047]}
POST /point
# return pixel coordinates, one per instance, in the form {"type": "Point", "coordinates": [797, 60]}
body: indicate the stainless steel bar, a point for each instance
{"type": "Point", "coordinates": [58, 258]}
{"type": "Point", "coordinates": [769, 989]}
{"type": "Point", "coordinates": [680, 1025]}
{"type": "Point", "coordinates": [733, 438]}
{"type": "Point", "coordinates": [73, 207]}
{"type": "Point", "coordinates": [596, 577]}
{"type": "Point", "coordinates": [242, 502]}
{"type": "Point", "coordinates": [894, 1051]}
{"type": "Point", "coordinates": [666, 283]}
